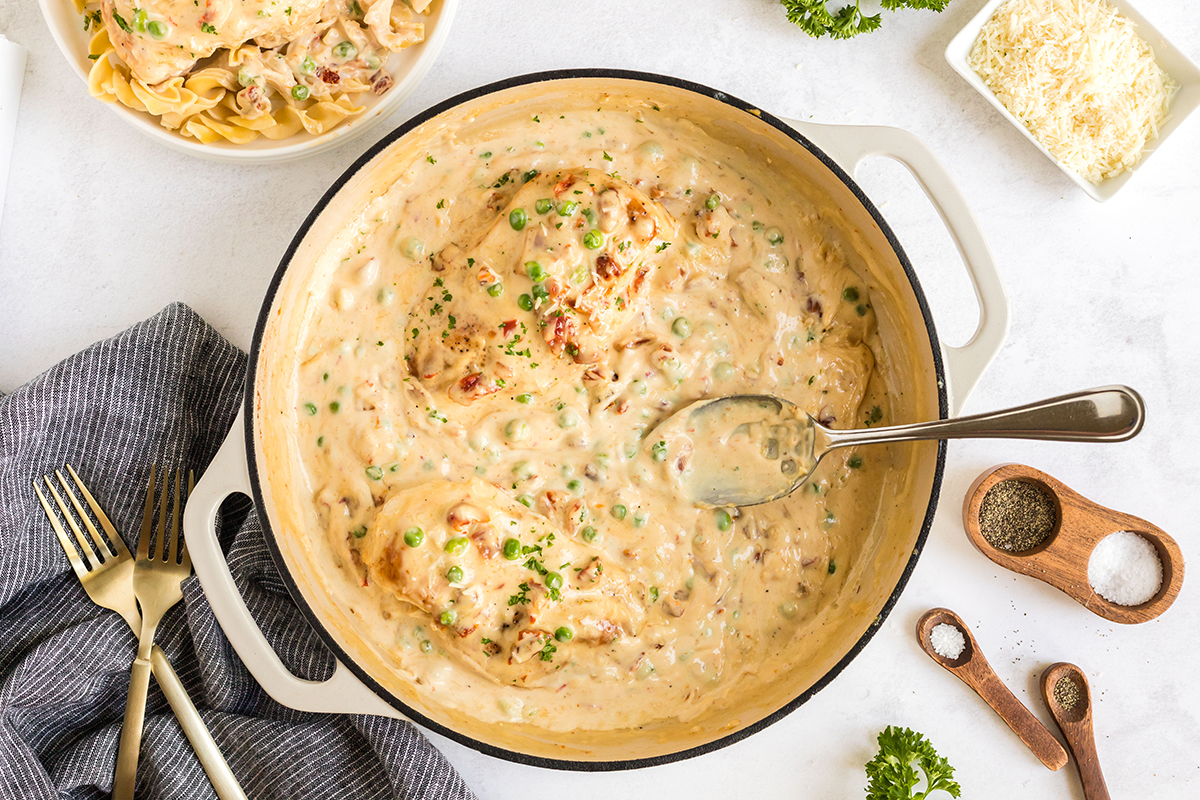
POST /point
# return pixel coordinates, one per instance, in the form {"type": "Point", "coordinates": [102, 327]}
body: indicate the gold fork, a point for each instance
{"type": "Point", "coordinates": [157, 575]}
{"type": "Point", "coordinates": [106, 573]}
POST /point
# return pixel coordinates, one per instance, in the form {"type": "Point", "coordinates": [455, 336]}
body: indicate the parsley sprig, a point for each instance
{"type": "Point", "coordinates": [815, 18]}
{"type": "Point", "coordinates": [892, 774]}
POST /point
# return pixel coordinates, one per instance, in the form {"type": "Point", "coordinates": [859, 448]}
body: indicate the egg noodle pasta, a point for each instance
{"type": "Point", "coordinates": [220, 72]}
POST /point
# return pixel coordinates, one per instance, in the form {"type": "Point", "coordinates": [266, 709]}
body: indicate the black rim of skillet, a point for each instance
{"type": "Point", "coordinates": [264, 519]}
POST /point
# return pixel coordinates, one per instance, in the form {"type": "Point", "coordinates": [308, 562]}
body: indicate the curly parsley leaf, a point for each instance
{"type": "Point", "coordinates": [892, 775]}
{"type": "Point", "coordinates": [814, 17]}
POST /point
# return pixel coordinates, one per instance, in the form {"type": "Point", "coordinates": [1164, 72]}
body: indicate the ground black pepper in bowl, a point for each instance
{"type": "Point", "coordinates": [1067, 693]}
{"type": "Point", "coordinates": [1017, 515]}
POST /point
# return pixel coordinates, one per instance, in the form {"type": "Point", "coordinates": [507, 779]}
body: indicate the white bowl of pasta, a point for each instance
{"type": "Point", "coordinates": [247, 81]}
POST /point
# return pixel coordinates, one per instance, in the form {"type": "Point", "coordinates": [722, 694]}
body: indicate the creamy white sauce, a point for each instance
{"type": "Point", "coordinates": [417, 407]}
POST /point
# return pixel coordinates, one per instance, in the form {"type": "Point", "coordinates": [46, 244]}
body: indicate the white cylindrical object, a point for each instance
{"type": "Point", "coordinates": [12, 73]}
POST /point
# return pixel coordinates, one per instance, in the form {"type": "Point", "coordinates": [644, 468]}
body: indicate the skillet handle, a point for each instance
{"type": "Point", "coordinates": [848, 145]}
{"type": "Point", "coordinates": [228, 474]}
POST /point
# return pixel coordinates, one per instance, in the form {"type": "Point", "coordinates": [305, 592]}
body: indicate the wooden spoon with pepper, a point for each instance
{"type": "Point", "coordinates": [1067, 695]}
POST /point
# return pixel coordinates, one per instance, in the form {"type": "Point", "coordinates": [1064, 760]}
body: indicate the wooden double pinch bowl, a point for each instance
{"type": "Point", "coordinates": [1062, 559]}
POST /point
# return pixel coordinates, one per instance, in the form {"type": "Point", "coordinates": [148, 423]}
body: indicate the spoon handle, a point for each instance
{"type": "Point", "coordinates": [1104, 414]}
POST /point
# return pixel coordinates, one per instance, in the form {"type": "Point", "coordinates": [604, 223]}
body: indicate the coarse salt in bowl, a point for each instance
{"type": "Point", "coordinates": [407, 68]}
{"type": "Point", "coordinates": [1125, 569]}
{"type": "Point", "coordinates": [947, 640]}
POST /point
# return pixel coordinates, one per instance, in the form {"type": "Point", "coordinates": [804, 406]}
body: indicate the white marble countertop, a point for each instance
{"type": "Point", "coordinates": [103, 227]}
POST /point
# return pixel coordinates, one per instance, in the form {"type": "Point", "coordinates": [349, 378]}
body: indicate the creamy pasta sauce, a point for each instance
{"type": "Point", "coordinates": [476, 406]}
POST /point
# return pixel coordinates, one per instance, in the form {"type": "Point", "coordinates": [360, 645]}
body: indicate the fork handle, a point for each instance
{"type": "Point", "coordinates": [131, 730]}
{"type": "Point", "coordinates": [217, 769]}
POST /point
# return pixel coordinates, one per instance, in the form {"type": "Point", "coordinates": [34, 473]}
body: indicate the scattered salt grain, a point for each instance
{"type": "Point", "coordinates": [947, 640]}
{"type": "Point", "coordinates": [1125, 569]}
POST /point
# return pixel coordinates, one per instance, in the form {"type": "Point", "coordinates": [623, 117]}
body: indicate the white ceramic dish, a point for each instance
{"type": "Point", "coordinates": [408, 69]}
{"type": "Point", "coordinates": [1182, 69]}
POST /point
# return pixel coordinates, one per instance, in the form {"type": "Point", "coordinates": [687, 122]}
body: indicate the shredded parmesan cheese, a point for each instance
{"type": "Point", "coordinates": [1079, 77]}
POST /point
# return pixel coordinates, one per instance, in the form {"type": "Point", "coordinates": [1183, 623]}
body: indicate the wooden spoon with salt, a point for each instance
{"type": "Point", "coordinates": [1067, 695]}
{"type": "Point", "coordinates": [1061, 560]}
{"type": "Point", "coordinates": [973, 669]}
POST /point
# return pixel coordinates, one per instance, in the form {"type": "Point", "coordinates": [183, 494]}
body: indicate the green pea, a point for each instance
{"type": "Point", "coordinates": [320, 441]}
{"type": "Point", "coordinates": [300, 92]}
{"type": "Point", "coordinates": [640, 519]}
{"type": "Point", "coordinates": [414, 536]}
{"type": "Point", "coordinates": [774, 235]}
{"type": "Point", "coordinates": [850, 293]}
{"type": "Point", "coordinates": [525, 302]}
{"type": "Point", "coordinates": [335, 406]}
{"type": "Point", "coordinates": [588, 534]}
{"type": "Point", "coordinates": [372, 61]}
{"type": "Point", "coordinates": [566, 208]}
{"type": "Point", "coordinates": [157, 29]}
{"type": "Point", "coordinates": [447, 617]}
{"type": "Point", "coordinates": [517, 218]}
{"type": "Point", "coordinates": [308, 66]}
{"type": "Point", "coordinates": [454, 574]}
{"type": "Point", "coordinates": [535, 271]}
{"type": "Point", "coordinates": [374, 473]}
{"type": "Point", "coordinates": [712, 201]}
{"type": "Point", "coordinates": [724, 521]}
{"type": "Point", "coordinates": [516, 430]}
{"type": "Point", "coordinates": [245, 77]}
{"type": "Point", "coordinates": [832, 566]}
{"type": "Point", "coordinates": [568, 418]}
{"type": "Point", "coordinates": [345, 50]}
{"type": "Point", "coordinates": [496, 289]}
{"type": "Point", "coordinates": [456, 546]}
{"type": "Point", "coordinates": [619, 511]}
{"type": "Point", "coordinates": [854, 462]}
{"type": "Point", "coordinates": [574, 486]}
{"type": "Point", "coordinates": [653, 594]}
{"type": "Point", "coordinates": [385, 296]}
{"type": "Point", "coordinates": [525, 398]}
{"type": "Point", "coordinates": [554, 580]}
{"type": "Point", "coordinates": [414, 248]}
{"type": "Point", "coordinates": [525, 500]}
{"type": "Point", "coordinates": [543, 206]}
{"type": "Point", "coordinates": [524, 470]}
{"type": "Point", "coordinates": [511, 549]}
{"type": "Point", "coordinates": [426, 646]}
{"type": "Point", "coordinates": [593, 239]}
{"type": "Point", "coordinates": [564, 634]}
{"type": "Point", "coordinates": [311, 408]}
{"type": "Point", "coordinates": [579, 274]}
{"type": "Point", "coordinates": [861, 310]}
{"type": "Point", "coordinates": [659, 451]}
{"type": "Point", "coordinates": [359, 532]}
{"type": "Point", "coordinates": [590, 215]}
{"type": "Point", "coordinates": [681, 327]}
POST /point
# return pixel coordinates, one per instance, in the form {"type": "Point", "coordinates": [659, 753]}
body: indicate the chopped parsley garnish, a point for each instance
{"type": "Point", "coordinates": [548, 651]}
{"type": "Point", "coordinates": [121, 23]}
{"type": "Point", "coordinates": [662, 247]}
{"type": "Point", "coordinates": [521, 597]}
{"type": "Point", "coordinates": [204, 26]}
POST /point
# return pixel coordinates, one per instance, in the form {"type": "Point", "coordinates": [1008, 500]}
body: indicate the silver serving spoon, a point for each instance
{"type": "Point", "coordinates": [750, 449]}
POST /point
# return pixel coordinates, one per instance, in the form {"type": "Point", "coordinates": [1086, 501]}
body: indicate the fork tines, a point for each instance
{"type": "Point", "coordinates": [100, 551]}
{"type": "Point", "coordinates": [163, 547]}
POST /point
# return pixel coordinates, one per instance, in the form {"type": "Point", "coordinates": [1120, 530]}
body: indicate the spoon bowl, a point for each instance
{"type": "Point", "coordinates": [744, 450]}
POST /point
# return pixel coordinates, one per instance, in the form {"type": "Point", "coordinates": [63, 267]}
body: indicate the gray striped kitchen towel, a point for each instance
{"type": "Point", "coordinates": [164, 391]}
